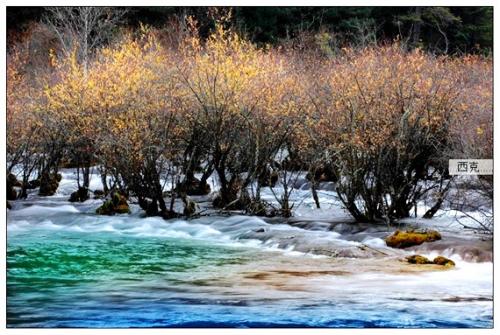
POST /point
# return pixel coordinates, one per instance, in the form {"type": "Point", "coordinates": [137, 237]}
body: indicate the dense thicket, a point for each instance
{"type": "Point", "coordinates": [156, 106]}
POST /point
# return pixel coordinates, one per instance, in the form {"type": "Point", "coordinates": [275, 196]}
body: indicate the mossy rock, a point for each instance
{"type": "Point", "coordinates": [49, 184]}
{"type": "Point", "coordinates": [116, 205]}
{"type": "Point", "coordinates": [418, 259]}
{"type": "Point", "coordinates": [48, 188]}
{"type": "Point", "coordinates": [106, 208]}
{"type": "Point", "coordinates": [122, 209]}
{"type": "Point", "coordinates": [116, 198]}
{"type": "Point", "coordinates": [80, 195]}
{"type": "Point", "coordinates": [189, 208]}
{"type": "Point", "coordinates": [11, 183]}
{"type": "Point", "coordinates": [440, 260]}
{"type": "Point", "coordinates": [405, 239]}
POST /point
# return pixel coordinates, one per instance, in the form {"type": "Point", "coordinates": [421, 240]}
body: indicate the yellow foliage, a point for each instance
{"type": "Point", "coordinates": [137, 95]}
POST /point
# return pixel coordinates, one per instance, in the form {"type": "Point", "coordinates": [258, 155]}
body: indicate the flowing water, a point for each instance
{"type": "Point", "coordinates": [67, 267]}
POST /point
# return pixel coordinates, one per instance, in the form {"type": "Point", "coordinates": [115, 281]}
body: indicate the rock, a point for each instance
{"type": "Point", "coordinates": [260, 230]}
{"type": "Point", "coordinates": [80, 195]}
{"type": "Point", "coordinates": [9, 205]}
{"type": "Point", "coordinates": [418, 259]}
{"type": "Point", "coordinates": [440, 260]}
{"type": "Point", "coordinates": [116, 205]}
{"type": "Point", "coordinates": [405, 239]}
{"type": "Point", "coordinates": [189, 207]}
{"type": "Point", "coordinates": [49, 184]}
{"type": "Point", "coordinates": [106, 208]}
{"type": "Point", "coordinates": [11, 183]}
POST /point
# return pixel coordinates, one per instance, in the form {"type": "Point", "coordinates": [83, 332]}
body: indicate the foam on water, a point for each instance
{"type": "Point", "coordinates": [37, 211]}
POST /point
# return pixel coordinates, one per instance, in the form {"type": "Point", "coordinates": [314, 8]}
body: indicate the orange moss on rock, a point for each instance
{"type": "Point", "coordinates": [418, 259]}
{"type": "Point", "coordinates": [440, 260]}
{"type": "Point", "coordinates": [405, 239]}
{"type": "Point", "coordinates": [116, 205]}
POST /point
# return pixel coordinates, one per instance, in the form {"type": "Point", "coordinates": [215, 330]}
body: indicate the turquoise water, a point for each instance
{"type": "Point", "coordinates": [69, 268]}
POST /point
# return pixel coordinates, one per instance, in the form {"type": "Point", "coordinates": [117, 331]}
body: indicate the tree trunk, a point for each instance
{"type": "Point", "coordinates": [417, 26]}
{"type": "Point", "coordinates": [86, 176]}
{"type": "Point", "coordinates": [430, 213]}
{"type": "Point", "coordinates": [104, 182]}
{"type": "Point", "coordinates": [314, 192]}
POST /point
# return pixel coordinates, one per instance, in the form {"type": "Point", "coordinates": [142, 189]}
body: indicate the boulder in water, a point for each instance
{"type": "Point", "coordinates": [189, 207]}
{"type": "Point", "coordinates": [49, 184]}
{"type": "Point", "coordinates": [80, 195]}
{"type": "Point", "coordinates": [418, 259]}
{"type": "Point", "coordinates": [405, 239]}
{"type": "Point", "coordinates": [116, 205]}
{"type": "Point", "coordinates": [440, 260]}
{"type": "Point", "coordinates": [11, 183]}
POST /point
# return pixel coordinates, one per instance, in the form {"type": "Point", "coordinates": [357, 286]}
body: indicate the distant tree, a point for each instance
{"type": "Point", "coordinates": [465, 29]}
{"type": "Point", "coordinates": [83, 28]}
{"type": "Point", "coordinates": [421, 20]}
{"type": "Point", "coordinates": [474, 32]}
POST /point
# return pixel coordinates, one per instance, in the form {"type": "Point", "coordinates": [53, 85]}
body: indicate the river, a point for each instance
{"type": "Point", "coordinates": [68, 267]}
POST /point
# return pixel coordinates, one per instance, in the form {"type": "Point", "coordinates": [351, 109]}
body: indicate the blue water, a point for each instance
{"type": "Point", "coordinates": [70, 269]}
